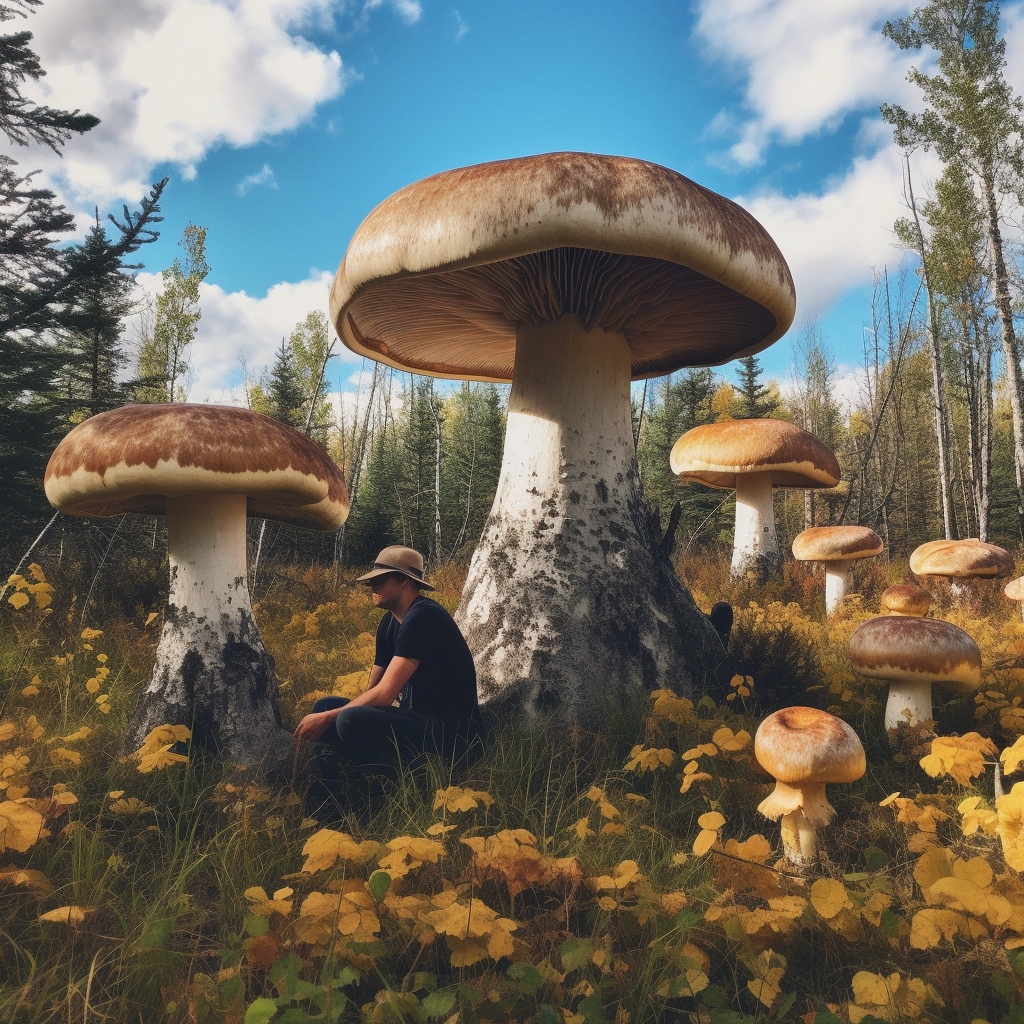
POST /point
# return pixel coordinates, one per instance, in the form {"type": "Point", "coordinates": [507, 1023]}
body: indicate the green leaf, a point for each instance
{"type": "Point", "coordinates": [284, 973]}
{"type": "Point", "coordinates": [889, 923]}
{"type": "Point", "coordinates": [439, 1003]}
{"type": "Point", "coordinates": [826, 1017]}
{"type": "Point", "coordinates": [787, 1005]}
{"type": "Point", "coordinates": [875, 859]}
{"type": "Point", "coordinates": [260, 1011]}
{"type": "Point", "coordinates": [423, 980]}
{"type": "Point", "coordinates": [577, 953]}
{"type": "Point", "coordinates": [255, 925]}
{"type": "Point", "coordinates": [229, 990]}
{"type": "Point", "coordinates": [470, 995]}
{"type": "Point", "coordinates": [714, 996]}
{"type": "Point", "coordinates": [156, 935]}
{"type": "Point", "coordinates": [296, 1015]}
{"type": "Point", "coordinates": [592, 1009]}
{"type": "Point", "coordinates": [548, 1014]}
{"type": "Point", "coordinates": [528, 977]}
{"type": "Point", "coordinates": [379, 883]}
{"type": "Point", "coordinates": [1016, 958]}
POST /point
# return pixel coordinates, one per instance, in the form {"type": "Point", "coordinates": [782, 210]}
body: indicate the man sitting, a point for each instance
{"type": "Point", "coordinates": [421, 659]}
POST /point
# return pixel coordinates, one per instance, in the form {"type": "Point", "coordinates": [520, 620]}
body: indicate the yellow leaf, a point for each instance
{"type": "Point", "coordinates": [828, 897]}
{"type": "Point", "coordinates": [611, 828]}
{"type": "Point", "coordinates": [63, 755]}
{"type": "Point", "coordinates": [8, 730]}
{"type": "Point", "coordinates": [960, 757]}
{"type": "Point", "coordinates": [455, 798]}
{"type": "Point", "coordinates": [324, 848]}
{"type": "Point", "coordinates": [873, 988]}
{"type": "Point", "coordinates": [20, 826]}
{"type": "Point", "coordinates": [627, 871]}
{"type": "Point", "coordinates": [149, 618]}
{"type": "Point", "coordinates": [930, 926]}
{"type": "Point", "coordinates": [711, 819]}
{"type": "Point", "coordinates": [704, 841]}
{"type": "Point", "coordinates": [708, 749]}
{"type": "Point", "coordinates": [439, 829]}
{"type": "Point", "coordinates": [18, 599]}
{"type": "Point", "coordinates": [91, 634]}
{"type": "Point", "coordinates": [582, 828]}
{"type": "Point", "coordinates": [933, 865]}
{"type": "Point", "coordinates": [1012, 757]}
{"type": "Point", "coordinates": [726, 739]}
{"type": "Point", "coordinates": [648, 759]}
{"type": "Point", "coordinates": [889, 799]}
{"type": "Point", "coordinates": [66, 915]}
{"type": "Point", "coordinates": [1010, 811]}
{"type": "Point", "coordinates": [675, 709]}
{"type": "Point", "coordinates": [29, 691]}
{"type": "Point", "coordinates": [607, 903]}
{"type": "Point", "coordinates": [35, 570]}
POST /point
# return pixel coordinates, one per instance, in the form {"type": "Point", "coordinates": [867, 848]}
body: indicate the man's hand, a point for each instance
{"type": "Point", "coordinates": [312, 727]}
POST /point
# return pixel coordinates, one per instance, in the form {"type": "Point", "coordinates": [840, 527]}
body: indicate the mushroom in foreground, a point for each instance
{"type": "Point", "coordinates": [567, 274]}
{"type": "Point", "coordinates": [205, 468]}
{"type": "Point", "coordinates": [905, 599]}
{"type": "Point", "coordinates": [1014, 590]}
{"type": "Point", "coordinates": [912, 654]}
{"type": "Point", "coordinates": [960, 561]}
{"type": "Point", "coordinates": [838, 547]}
{"type": "Point", "coordinates": [752, 457]}
{"type": "Point", "coordinates": [803, 749]}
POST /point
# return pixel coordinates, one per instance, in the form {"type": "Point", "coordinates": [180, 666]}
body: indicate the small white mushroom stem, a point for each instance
{"type": "Point", "coordinates": [799, 839]}
{"type": "Point", "coordinates": [837, 578]}
{"type": "Point", "coordinates": [754, 541]}
{"type": "Point", "coordinates": [569, 580]}
{"type": "Point", "coordinates": [904, 696]}
{"type": "Point", "coordinates": [212, 671]}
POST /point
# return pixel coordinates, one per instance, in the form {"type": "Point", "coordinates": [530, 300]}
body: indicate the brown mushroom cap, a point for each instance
{"type": "Point", "coordinates": [1014, 590]}
{"type": "Point", "coordinates": [905, 599]}
{"type": "Point", "coordinates": [439, 276]}
{"type": "Point", "coordinates": [961, 558]}
{"type": "Point", "coordinates": [133, 458]}
{"type": "Point", "coordinates": [897, 647]}
{"type": "Point", "coordinates": [836, 544]}
{"type": "Point", "coordinates": [803, 745]}
{"type": "Point", "coordinates": [716, 453]}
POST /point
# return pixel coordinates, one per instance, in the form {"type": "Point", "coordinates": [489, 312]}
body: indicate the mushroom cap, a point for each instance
{"type": "Point", "coordinates": [961, 558]}
{"type": "Point", "coordinates": [1014, 590]}
{"type": "Point", "coordinates": [836, 544]}
{"type": "Point", "coordinates": [899, 647]}
{"type": "Point", "coordinates": [906, 599]}
{"type": "Point", "coordinates": [439, 276]}
{"type": "Point", "coordinates": [133, 458]}
{"type": "Point", "coordinates": [799, 746]}
{"type": "Point", "coordinates": [715, 454]}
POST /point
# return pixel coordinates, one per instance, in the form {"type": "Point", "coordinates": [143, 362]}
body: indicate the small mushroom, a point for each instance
{"type": "Point", "coordinates": [803, 749]}
{"type": "Point", "coordinates": [838, 547]}
{"type": "Point", "coordinates": [752, 457]}
{"type": "Point", "coordinates": [1014, 590]}
{"type": "Point", "coordinates": [906, 599]}
{"type": "Point", "coordinates": [959, 561]}
{"type": "Point", "coordinates": [204, 467]}
{"type": "Point", "coordinates": [912, 654]}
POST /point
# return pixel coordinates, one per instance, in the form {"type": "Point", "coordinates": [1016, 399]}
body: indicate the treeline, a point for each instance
{"type": "Point", "coordinates": [930, 440]}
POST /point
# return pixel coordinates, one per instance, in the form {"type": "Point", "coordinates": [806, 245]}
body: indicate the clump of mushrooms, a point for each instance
{"type": "Point", "coordinates": [205, 468]}
{"type": "Point", "coordinates": [912, 654]}
{"type": "Point", "coordinates": [905, 599]}
{"type": "Point", "coordinates": [803, 749]}
{"type": "Point", "coordinates": [567, 274]}
{"type": "Point", "coordinates": [838, 547]}
{"type": "Point", "coordinates": [960, 561]}
{"type": "Point", "coordinates": [752, 457]}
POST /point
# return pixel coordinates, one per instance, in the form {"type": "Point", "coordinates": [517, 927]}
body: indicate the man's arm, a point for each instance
{"type": "Point", "coordinates": [384, 687]}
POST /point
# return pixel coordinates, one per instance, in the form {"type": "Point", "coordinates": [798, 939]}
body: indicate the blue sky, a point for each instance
{"type": "Point", "coordinates": [281, 123]}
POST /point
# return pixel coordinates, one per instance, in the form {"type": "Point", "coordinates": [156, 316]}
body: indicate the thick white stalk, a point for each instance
{"type": "Point", "coordinates": [799, 840]}
{"type": "Point", "coordinates": [212, 672]}
{"type": "Point", "coordinates": [912, 697]}
{"type": "Point", "coordinates": [755, 545]}
{"type": "Point", "coordinates": [568, 584]}
{"type": "Point", "coordinates": [837, 578]}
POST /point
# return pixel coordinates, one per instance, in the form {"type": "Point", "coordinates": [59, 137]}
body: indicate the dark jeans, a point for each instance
{"type": "Point", "coordinates": [368, 742]}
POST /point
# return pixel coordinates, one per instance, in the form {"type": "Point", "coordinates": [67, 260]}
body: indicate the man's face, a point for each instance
{"type": "Point", "coordinates": [387, 590]}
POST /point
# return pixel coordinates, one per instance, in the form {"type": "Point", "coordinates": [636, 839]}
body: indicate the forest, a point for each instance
{"type": "Point", "coordinates": [572, 874]}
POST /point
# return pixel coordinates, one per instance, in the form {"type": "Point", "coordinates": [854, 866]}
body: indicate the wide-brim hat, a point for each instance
{"type": "Point", "coordinates": [399, 559]}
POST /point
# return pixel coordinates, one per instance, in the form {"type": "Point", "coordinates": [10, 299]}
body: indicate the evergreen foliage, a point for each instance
{"type": "Point", "coordinates": [284, 391]}
{"type": "Point", "coordinates": [756, 400]}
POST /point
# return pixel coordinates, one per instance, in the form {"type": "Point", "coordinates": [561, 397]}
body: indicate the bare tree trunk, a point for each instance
{"type": "Point", "coordinates": [1011, 354]}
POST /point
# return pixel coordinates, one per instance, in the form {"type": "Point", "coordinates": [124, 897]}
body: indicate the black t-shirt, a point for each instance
{"type": "Point", "coordinates": [444, 683]}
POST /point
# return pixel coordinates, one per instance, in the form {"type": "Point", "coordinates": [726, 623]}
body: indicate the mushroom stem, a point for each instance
{"type": "Point", "coordinates": [212, 671]}
{"type": "Point", "coordinates": [837, 577]}
{"type": "Point", "coordinates": [755, 545]}
{"type": "Point", "coordinates": [912, 697]}
{"type": "Point", "coordinates": [799, 840]}
{"type": "Point", "coordinates": [569, 578]}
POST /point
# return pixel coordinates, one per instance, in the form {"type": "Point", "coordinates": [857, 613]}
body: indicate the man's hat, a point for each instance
{"type": "Point", "coordinates": [398, 559]}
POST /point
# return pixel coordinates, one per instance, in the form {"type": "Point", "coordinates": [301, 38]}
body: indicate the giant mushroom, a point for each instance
{"type": "Point", "coordinates": [838, 547]}
{"type": "Point", "coordinates": [568, 274]}
{"type": "Point", "coordinates": [959, 562]}
{"type": "Point", "coordinates": [753, 457]}
{"type": "Point", "coordinates": [205, 468]}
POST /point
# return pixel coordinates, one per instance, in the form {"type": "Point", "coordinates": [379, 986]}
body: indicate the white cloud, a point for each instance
{"type": "Point", "coordinates": [410, 11]}
{"type": "Point", "coordinates": [236, 326]}
{"type": "Point", "coordinates": [833, 238]}
{"type": "Point", "coordinates": [807, 64]}
{"type": "Point", "coordinates": [170, 79]}
{"type": "Point", "coordinates": [264, 176]}
{"type": "Point", "coordinates": [461, 28]}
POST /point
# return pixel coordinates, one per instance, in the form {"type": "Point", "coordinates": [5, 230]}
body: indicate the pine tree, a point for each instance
{"type": "Point", "coordinates": [756, 400]}
{"type": "Point", "coordinates": [284, 390]}
{"type": "Point", "coordinates": [311, 349]}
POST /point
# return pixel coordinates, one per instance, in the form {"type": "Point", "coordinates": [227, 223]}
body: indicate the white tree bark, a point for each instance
{"type": "Point", "coordinates": [755, 544]}
{"type": "Point", "coordinates": [212, 672]}
{"type": "Point", "coordinates": [570, 605]}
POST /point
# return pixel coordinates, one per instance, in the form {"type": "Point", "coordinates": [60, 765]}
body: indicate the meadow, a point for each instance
{"type": "Point", "coordinates": [565, 877]}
